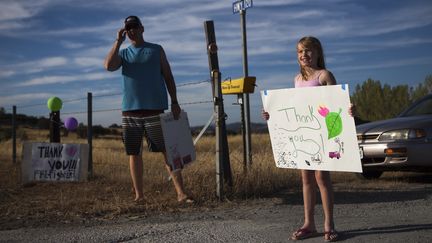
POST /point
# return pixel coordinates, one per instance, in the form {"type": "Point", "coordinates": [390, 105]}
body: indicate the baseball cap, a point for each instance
{"type": "Point", "coordinates": [132, 20]}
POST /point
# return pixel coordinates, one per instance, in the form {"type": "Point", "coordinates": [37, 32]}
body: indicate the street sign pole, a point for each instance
{"type": "Point", "coordinates": [243, 99]}
{"type": "Point", "coordinates": [247, 132]}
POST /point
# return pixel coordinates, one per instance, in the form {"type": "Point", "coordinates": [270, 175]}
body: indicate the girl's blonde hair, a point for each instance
{"type": "Point", "coordinates": [312, 43]}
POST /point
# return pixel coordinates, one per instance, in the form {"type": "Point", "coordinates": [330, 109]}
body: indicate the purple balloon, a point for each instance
{"type": "Point", "coordinates": [71, 123]}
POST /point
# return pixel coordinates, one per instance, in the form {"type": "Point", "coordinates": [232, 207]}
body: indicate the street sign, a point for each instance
{"type": "Point", "coordinates": [241, 5]}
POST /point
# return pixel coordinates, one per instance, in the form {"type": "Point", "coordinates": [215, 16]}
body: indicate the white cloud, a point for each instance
{"type": "Point", "coordinates": [389, 64]}
{"type": "Point", "coordinates": [23, 98]}
{"type": "Point", "coordinates": [50, 62]}
{"type": "Point", "coordinates": [72, 45]}
{"type": "Point", "coordinates": [36, 66]}
{"type": "Point", "coordinates": [12, 10]}
{"type": "Point", "coordinates": [59, 79]}
{"type": "Point", "coordinates": [6, 73]}
{"type": "Point", "coordinates": [88, 61]}
{"type": "Point", "coordinates": [13, 14]}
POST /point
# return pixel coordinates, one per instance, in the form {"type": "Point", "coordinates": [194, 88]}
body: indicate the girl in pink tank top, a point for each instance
{"type": "Point", "coordinates": [298, 82]}
{"type": "Point", "coordinates": [310, 57]}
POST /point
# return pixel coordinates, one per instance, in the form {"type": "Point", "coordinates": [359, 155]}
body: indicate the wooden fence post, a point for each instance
{"type": "Point", "coordinates": [55, 127]}
{"type": "Point", "coordinates": [222, 150]}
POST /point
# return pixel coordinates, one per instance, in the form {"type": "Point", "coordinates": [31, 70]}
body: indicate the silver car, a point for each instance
{"type": "Point", "coordinates": [403, 143]}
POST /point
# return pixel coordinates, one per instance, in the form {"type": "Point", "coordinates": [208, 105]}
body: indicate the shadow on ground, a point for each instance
{"type": "Point", "coordinates": [414, 187]}
{"type": "Point", "coordinates": [384, 230]}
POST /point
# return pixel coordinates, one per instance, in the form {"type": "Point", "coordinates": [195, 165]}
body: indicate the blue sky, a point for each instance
{"type": "Point", "coordinates": [57, 48]}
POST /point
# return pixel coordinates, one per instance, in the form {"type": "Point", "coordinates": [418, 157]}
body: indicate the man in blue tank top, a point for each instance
{"type": "Point", "coordinates": [147, 77]}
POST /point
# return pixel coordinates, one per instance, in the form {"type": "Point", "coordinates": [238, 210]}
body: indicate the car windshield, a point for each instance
{"type": "Point", "coordinates": [422, 108]}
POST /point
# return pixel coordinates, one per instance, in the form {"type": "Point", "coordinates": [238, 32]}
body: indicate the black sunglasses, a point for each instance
{"type": "Point", "coordinates": [132, 26]}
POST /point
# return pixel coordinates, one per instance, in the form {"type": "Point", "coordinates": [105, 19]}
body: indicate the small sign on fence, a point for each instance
{"type": "Point", "coordinates": [179, 146]}
{"type": "Point", "coordinates": [242, 85]}
{"type": "Point", "coordinates": [54, 162]}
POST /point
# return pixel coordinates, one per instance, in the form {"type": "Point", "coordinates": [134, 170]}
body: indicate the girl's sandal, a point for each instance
{"type": "Point", "coordinates": [302, 234]}
{"type": "Point", "coordinates": [331, 236]}
{"type": "Point", "coordinates": [186, 200]}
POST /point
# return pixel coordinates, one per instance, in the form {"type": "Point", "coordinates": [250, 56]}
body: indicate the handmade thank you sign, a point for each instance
{"type": "Point", "coordinates": [178, 140]}
{"type": "Point", "coordinates": [54, 162]}
{"type": "Point", "coordinates": [310, 128]}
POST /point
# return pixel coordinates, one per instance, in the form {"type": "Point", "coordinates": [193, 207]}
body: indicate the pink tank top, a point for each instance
{"type": "Point", "coordinates": [298, 82]}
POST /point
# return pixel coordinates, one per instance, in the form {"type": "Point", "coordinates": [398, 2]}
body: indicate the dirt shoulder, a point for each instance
{"type": "Point", "coordinates": [362, 215]}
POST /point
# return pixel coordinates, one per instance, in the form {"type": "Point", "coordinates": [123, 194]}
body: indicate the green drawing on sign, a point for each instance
{"type": "Point", "coordinates": [333, 121]}
{"type": "Point", "coordinates": [334, 124]}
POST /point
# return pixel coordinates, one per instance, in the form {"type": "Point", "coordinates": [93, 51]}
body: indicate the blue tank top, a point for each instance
{"type": "Point", "coordinates": [143, 83]}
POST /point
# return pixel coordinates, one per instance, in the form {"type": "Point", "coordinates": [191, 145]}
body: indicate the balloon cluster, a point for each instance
{"type": "Point", "coordinates": [55, 104]}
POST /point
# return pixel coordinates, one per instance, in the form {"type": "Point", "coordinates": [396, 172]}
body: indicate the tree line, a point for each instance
{"type": "Point", "coordinates": [374, 101]}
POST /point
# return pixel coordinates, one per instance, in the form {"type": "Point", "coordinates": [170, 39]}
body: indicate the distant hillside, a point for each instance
{"type": "Point", "coordinates": [233, 128]}
{"type": "Point", "coordinates": [24, 120]}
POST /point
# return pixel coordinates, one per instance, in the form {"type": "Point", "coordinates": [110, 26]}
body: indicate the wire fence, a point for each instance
{"type": "Point", "coordinates": [25, 106]}
{"type": "Point", "coordinates": [55, 123]}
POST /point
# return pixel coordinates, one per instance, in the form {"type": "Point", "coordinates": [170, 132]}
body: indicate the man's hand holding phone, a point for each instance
{"type": "Point", "coordinates": [121, 35]}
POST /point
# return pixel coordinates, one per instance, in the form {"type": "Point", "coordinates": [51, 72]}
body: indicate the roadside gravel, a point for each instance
{"type": "Point", "coordinates": [403, 215]}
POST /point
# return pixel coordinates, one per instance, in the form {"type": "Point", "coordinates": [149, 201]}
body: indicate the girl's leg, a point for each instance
{"type": "Point", "coordinates": [309, 198]}
{"type": "Point", "coordinates": [327, 198]}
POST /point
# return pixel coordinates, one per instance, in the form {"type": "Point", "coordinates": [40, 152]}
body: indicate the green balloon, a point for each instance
{"type": "Point", "coordinates": [54, 103]}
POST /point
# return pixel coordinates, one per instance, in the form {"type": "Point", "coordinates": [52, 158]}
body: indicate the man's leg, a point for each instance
{"type": "Point", "coordinates": [177, 179]}
{"type": "Point", "coordinates": [136, 170]}
{"type": "Point", "coordinates": [132, 139]}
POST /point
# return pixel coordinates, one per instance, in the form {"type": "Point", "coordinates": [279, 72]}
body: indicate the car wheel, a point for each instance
{"type": "Point", "coordinates": [371, 174]}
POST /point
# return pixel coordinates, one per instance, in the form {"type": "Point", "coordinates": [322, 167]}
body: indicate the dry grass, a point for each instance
{"type": "Point", "coordinates": [108, 194]}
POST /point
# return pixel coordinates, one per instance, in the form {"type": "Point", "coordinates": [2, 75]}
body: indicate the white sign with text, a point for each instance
{"type": "Point", "coordinates": [179, 146]}
{"type": "Point", "coordinates": [54, 162]}
{"type": "Point", "coordinates": [310, 128]}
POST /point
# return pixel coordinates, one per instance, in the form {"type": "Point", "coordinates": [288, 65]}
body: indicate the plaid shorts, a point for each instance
{"type": "Point", "coordinates": [134, 128]}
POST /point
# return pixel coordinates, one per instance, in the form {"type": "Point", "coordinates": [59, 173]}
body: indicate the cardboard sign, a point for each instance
{"type": "Point", "coordinates": [178, 140]}
{"type": "Point", "coordinates": [54, 162]}
{"type": "Point", "coordinates": [310, 128]}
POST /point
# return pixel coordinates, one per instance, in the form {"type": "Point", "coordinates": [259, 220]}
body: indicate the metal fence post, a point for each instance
{"type": "Point", "coordinates": [246, 111]}
{"type": "Point", "coordinates": [90, 133]}
{"type": "Point", "coordinates": [14, 127]}
{"type": "Point", "coordinates": [218, 132]}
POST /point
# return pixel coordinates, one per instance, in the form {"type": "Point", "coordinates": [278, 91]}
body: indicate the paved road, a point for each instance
{"type": "Point", "coordinates": [404, 215]}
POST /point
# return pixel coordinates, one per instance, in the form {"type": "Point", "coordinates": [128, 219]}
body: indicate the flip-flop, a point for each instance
{"type": "Point", "coordinates": [187, 200]}
{"type": "Point", "coordinates": [331, 236]}
{"type": "Point", "coordinates": [302, 234]}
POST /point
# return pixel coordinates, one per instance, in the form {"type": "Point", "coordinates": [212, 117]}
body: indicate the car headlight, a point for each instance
{"type": "Point", "coordinates": [402, 134]}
